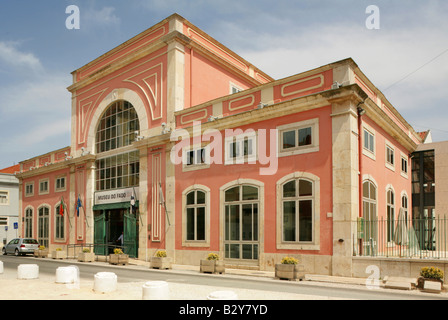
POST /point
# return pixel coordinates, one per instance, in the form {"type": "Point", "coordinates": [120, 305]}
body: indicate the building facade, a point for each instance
{"type": "Point", "coordinates": [9, 204]}
{"type": "Point", "coordinates": [183, 145]}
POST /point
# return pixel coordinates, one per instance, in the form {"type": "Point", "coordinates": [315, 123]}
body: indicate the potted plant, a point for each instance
{"type": "Point", "coordinates": [58, 254]}
{"type": "Point", "coordinates": [118, 257]}
{"type": "Point", "coordinates": [212, 264]}
{"type": "Point", "coordinates": [431, 279]}
{"type": "Point", "coordinates": [289, 269]}
{"type": "Point", "coordinates": [42, 252]}
{"type": "Point", "coordinates": [86, 255]}
{"type": "Point", "coordinates": [161, 261]}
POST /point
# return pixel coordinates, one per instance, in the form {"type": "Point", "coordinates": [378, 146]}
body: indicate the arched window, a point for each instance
{"type": "Point", "coordinates": [29, 223]}
{"type": "Point", "coordinates": [43, 226]}
{"type": "Point", "coordinates": [241, 205]}
{"type": "Point", "coordinates": [196, 215]}
{"type": "Point", "coordinates": [298, 208]}
{"type": "Point", "coordinates": [117, 127]}
{"type": "Point", "coordinates": [390, 203]}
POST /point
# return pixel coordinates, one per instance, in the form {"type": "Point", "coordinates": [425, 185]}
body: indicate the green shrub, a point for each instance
{"type": "Point", "coordinates": [431, 273]}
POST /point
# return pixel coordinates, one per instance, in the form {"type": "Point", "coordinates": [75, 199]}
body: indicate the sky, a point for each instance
{"type": "Point", "coordinates": [402, 47]}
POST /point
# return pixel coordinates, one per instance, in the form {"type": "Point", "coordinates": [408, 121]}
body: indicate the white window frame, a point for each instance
{"type": "Point", "coordinates": [41, 183]}
{"type": "Point", "coordinates": [313, 147]}
{"type": "Point", "coordinates": [6, 197]}
{"type": "Point", "coordinates": [297, 245]}
{"type": "Point", "coordinates": [29, 185]}
{"type": "Point", "coordinates": [367, 150]}
{"type": "Point", "coordinates": [239, 141]}
{"type": "Point", "coordinates": [390, 156]}
{"type": "Point", "coordinates": [58, 181]}
{"type": "Point", "coordinates": [233, 88]}
{"type": "Point", "coordinates": [404, 173]}
{"type": "Point", "coordinates": [196, 243]}
{"type": "Point", "coordinates": [197, 164]}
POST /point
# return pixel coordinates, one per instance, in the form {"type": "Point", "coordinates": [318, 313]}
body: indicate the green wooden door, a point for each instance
{"type": "Point", "coordinates": [130, 235]}
{"type": "Point", "coordinates": [100, 234]}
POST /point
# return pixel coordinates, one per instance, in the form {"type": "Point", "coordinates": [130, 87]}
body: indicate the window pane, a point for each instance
{"type": "Point", "coordinates": [233, 194]}
{"type": "Point", "coordinates": [200, 224]}
{"type": "Point", "coordinates": [234, 222]}
{"type": "Point", "coordinates": [289, 221]}
{"type": "Point", "coordinates": [305, 136]}
{"type": "Point", "coordinates": [305, 220]}
{"type": "Point", "coordinates": [289, 189]}
{"type": "Point", "coordinates": [247, 223]}
{"type": "Point", "coordinates": [305, 188]}
{"type": "Point", "coordinates": [250, 193]}
{"type": "Point", "coordinates": [190, 198]}
{"type": "Point", "coordinates": [200, 197]}
{"type": "Point", "coordinates": [289, 139]}
{"type": "Point", "coordinates": [190, 224]}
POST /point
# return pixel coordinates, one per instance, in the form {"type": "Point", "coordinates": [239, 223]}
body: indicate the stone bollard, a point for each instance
{"type": "Point", "coordinates": [105, 282]}
{"type": "Point", "coordinates": [222, 295]}
{"type": "Point", "coordinates": [1, 267]}
{"type": "Point", "coordinates": [156, 290]}
{"type": "Point", "coordinates": [67, 274]}
{"type": "Point", "coordinates": [27, 271]}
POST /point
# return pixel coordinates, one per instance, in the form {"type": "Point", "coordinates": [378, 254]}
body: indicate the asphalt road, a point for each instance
{"type": "Point", "coordinates": [128, 274]}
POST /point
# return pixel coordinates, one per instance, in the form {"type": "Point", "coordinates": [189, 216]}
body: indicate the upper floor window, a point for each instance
{"type": "Point", "coordinates": [117, 128]}
{"type": "Point", "coordinates": [369, 141]}
{"type": "Point", "coordinates": [4, 197]}
{"type": "Point", "coordinates": [241, 148]}
{"type": "Point", "coordinates": [299, 137]}
{"type": "Point", "coordinates": [29, 189]}
{"type": "Point", "coordinates": [60, 184]}
{"type": "Point", "coordinates": [44, 186]}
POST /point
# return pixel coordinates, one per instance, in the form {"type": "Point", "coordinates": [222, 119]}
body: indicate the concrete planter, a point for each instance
{"type": "Point", "coordinates": [289, 271]}
{"type": "Point", "coordinates": [160, 262]}
{"type": "Point", "coordinates": [59, 255]}
{"type": "Point", "coordinates": [86, 256]}
{"type": "Point", "coordinates": [41, 253]}
{"type": "Point", "coordinates": [212, 266]}
{"type": "Point", "coordinates": [119, 259]}
{"type": "Point", "coordinates": [430, 285]}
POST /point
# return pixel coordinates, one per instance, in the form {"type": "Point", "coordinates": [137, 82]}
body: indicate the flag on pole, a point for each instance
{"type": "Point", "coordinates": [61, 207]}
{"type": "Point", "coordinates": [78, 205]}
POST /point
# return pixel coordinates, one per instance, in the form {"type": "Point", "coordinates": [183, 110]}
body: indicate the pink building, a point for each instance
{"type": "Point", "coordinates": [217, 156]}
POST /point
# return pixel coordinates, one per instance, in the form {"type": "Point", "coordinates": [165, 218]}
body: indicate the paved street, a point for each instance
{"type": "Point", "coordinates": [184, 284]}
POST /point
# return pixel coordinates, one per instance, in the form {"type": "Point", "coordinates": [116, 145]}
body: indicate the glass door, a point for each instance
{"type": "Point", "coordinates": [43, 227]}
{"type": "Point", "coordinates": [241, 223]}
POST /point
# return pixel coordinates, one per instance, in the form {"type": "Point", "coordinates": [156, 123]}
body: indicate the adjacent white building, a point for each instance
{"type": "Point", "coordinates": [9, 205]}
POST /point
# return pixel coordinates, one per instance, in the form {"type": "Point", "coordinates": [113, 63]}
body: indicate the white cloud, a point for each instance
{"type": "Point", "coordinates": [104, 17]}
{"type": "Point", "coordinates": [12, 56]}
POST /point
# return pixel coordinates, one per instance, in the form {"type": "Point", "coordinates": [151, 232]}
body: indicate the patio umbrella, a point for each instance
{"type": "Point", "coordinates": [401, 236]}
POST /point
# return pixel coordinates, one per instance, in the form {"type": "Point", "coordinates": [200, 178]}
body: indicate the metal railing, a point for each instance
{"type": "Point", "coordinates": [406, 238]}
{"type": "Point", "coordinates": [98, 249]}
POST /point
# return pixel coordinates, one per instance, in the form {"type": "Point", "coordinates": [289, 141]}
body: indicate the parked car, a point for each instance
{"type": "Point", "coordinates": [21, 246]}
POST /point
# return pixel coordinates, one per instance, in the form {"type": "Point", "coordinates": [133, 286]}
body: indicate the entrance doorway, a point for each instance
{"type": "Point", "coordinates": [241, 223]}
{"type": "Point", "coordinates": [110, 224]}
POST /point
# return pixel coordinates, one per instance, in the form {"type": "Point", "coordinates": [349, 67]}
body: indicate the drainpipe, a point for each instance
{"type": "Point", "coordinates": [360, 111]}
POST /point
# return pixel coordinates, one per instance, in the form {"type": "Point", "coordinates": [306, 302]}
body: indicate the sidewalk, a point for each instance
{"type": "Point", "coordinates": [45, 287]}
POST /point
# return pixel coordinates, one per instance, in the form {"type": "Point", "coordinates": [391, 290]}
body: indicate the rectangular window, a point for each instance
{"type": "Point", "coordinates": [241, 148]}
{"type": "Point", "coordinates": [369, 141]}
{"type": "Point", "coordinates": [299, 137]}
{"type": "Point", "coordinates": [4, 197]}
{"type": "Point", "coordinates": [390, 155]}
{"type": "Point", "coordinates": [119, 171]}
{"type": "Point", "coordinates": [3, 221]}
{"type": "Point", "coordinates": [196, 157]}
{"type": "Point", "coordinates": [60, 184]}
{"type": "Point", "coordinates": [29, 189]}
{"type": "Point", "coordinates": [43, 186]}
{"type": "Point", "coordinates": [404, 166]}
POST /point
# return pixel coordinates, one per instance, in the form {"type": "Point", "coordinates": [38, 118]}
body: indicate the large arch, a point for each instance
{"type": "Point", "coordinates": [117, 94]}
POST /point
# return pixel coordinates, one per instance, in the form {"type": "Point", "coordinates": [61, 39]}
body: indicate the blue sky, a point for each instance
{"type": "Point", "coordinates": [407, 58]}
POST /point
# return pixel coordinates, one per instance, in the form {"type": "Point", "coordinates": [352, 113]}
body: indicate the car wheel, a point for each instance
{"type": "Point", "coordinates": [4, 251]}
{"type": "Point", "coordinates": [17, 253]}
